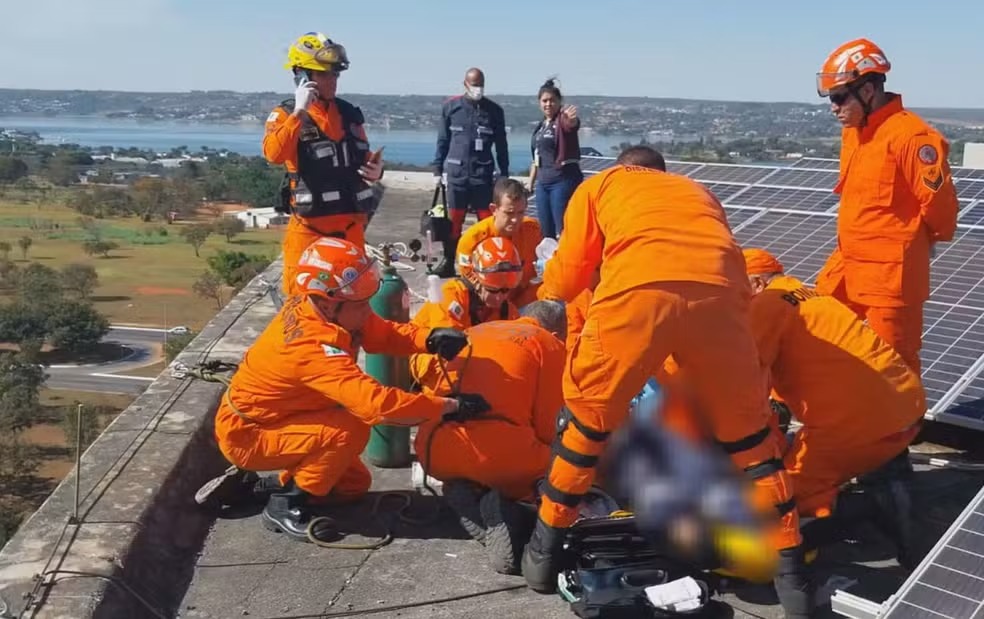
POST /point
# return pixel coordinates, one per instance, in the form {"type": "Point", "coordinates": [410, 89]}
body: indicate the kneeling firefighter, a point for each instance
{"type": "Point", "coordinates": [299, 401]}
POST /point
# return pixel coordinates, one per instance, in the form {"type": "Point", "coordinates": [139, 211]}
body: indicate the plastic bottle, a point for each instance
{"type": "Point", "coordinates": [433, 288]}
{"type": "Point", "coordinates": [544, 251]}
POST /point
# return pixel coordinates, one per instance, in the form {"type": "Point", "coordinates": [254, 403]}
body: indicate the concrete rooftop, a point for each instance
{"type": "Point", "coordinates": [142, 548]}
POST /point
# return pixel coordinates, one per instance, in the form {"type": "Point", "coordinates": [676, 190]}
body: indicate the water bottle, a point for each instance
{"type": "Point", "coordinates": [544, 251]}
{"type": "Point", "coordinates": [433, 288]}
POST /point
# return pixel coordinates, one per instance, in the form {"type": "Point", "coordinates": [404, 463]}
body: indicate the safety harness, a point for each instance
{"type": "Point", "coordinates": [327, 181]}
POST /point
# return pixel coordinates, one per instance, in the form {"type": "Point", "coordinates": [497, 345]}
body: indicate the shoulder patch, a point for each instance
{"type": "Point", "coordinates": [928, 155]}
{"type": "Point", "coordinates": [456, 310]}
{"type": "Point", "coordinates": [331, 351]}
{"type": "Point", "coordinates": [464, 260]}
{"type": "Point", "coordinates": [272, 117]}
{"type": "Point", "coordinates": [933, 178]}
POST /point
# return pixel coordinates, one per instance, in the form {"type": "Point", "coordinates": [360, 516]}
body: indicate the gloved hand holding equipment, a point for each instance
{"type": "Point", "coordinates": [470, 406]}
{"type": "Point", "coordinates": [446, 342]}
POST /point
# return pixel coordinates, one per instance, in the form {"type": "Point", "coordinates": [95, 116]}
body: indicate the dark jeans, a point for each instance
{"type": "Point", "coordinates": [551, 202]}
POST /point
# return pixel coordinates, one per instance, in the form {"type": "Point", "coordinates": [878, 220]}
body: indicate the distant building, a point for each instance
{"type": "Point", "coordinates": [973, 155]}
{"type": "Point", "coordinates": [261, 218]}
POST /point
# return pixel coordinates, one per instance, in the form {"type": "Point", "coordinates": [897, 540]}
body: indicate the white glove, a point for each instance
{"type": "Point", "coordinates": [304, 95]}
{"type": "Point", "coordinates": [438, 180]}
{"type": "Point", "coordinates": [372, 171]}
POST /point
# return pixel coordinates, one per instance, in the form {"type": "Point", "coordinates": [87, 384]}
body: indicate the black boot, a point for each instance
{"type": "Point", "coordinates": [463, 497]}
{"type": "Point", "coordinates": [289, 512]}
{"type": "Point", "coordinates": [509, 526]}
{"type": "Point", "coordinates": [541, 560]}
{"type": "Point", "coordinates": [232, 488]}
{"type": "Point", "coordinates": [445, 268]}
{"type": "Point", "coordinates": [794, 587]}
{"type": "Point", "coordinates": [888, 489]}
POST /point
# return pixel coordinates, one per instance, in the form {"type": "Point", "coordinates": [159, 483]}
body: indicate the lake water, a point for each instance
{"type": "Point", "coordinates": [413, 147]}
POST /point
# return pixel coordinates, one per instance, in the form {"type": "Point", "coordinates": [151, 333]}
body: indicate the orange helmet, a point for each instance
{"type": "Point", "coordinates": [338, 270]}
{"type": "Point", "coordinates": [849, 62]}
{"type": "Point", "coordinates": [497, 263]}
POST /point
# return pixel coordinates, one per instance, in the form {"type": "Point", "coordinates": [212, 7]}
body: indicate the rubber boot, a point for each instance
{"type": "Point", "coordinates": [509, 526]}
{"type": "Point", "coordinates": [463, 497]}
{"type": "Point", "coordinates": [289, 512]}
{"type": "Point", "coordinates": [888, 488]}
{"type": "Point", "coordinates": [233, 487]}
{"type": "Point", "coordinates": [794, 587]}
{"type": "Point", "coordinates": [541, 559]}
{"type": "Point", "coordinates": [445, 268]}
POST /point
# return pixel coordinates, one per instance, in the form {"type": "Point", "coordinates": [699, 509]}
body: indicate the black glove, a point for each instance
{"type": "Point", "coordinates": [470, 406]}
{"type": "Point", "coordinates": [446, 342]}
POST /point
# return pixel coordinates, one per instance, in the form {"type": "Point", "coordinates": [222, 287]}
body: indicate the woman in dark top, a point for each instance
{"type": "Point", "coordinates": [556, 171]}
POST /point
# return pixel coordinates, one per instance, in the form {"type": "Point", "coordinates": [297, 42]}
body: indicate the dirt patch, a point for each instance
{"type": "Point", "coordinates": [154, 291]}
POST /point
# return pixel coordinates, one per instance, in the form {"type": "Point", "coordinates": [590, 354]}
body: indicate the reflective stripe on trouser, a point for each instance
{"type": "Point", "coordinates": [706, 329]}
{"type": "Point", "coordinates": [759, 455]}
{"type": "Point", "coordinates": [319, 450]}
{"type": "Point", "coordinates": [301, 232]}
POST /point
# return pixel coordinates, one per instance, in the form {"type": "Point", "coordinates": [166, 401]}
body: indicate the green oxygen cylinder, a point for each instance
{"type": "Point", "coordinates": [389, 446]}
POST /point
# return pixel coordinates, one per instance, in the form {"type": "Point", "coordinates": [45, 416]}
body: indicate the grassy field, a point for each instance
{"type": "Point", "coordinates": [148, 279]}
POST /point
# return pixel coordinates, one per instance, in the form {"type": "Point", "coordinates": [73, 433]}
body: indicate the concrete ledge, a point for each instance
{"type": "Point", "coordinates": [131, 553]}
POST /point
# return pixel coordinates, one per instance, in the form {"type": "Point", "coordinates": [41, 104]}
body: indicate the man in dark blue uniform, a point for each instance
{"type": "Point", "coordinates": [470, 126]}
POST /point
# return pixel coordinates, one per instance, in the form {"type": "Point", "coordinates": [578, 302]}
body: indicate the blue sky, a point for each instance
{"type": "Point", "coordinates": [758, 50]}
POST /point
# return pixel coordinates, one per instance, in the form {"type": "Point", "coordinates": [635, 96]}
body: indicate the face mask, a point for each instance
{"type": "Point", "coordinates": [474, 92]}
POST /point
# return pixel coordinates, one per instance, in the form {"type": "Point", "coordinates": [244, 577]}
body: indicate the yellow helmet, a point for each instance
{"type": "Point", "coordinates": [316, 52]}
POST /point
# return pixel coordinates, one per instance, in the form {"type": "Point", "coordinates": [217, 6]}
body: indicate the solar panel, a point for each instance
{"type": "Point", "coordinates": [957, 271]}
{"type": "Point", "coordinates": [731, 173]}
{"type": "Point", "coordinates": [967, 408]}
{"type": "Point", "coordinates": [976, 173]}
{"type": "Point", "coordinates": [686, 168]}
{"type": "Point", "coordinates": [723, 191]}
{"type": "Point", "coordinates": [817, 163]}
{"type": "Point", "coordinates": [596, 164]}
{"type": "Point", "coordinates": [802, 242]}
{"type": "Point", "coordinates": [790, 177]}
{"type": "Point", "coordinates": [949, 583]}
{"type": "Point", "coordinates": [738, 216]}
{"type": "Point", "coordinates": [973, 216]}
{"type": "Point", "coordinates": [808, 200]}
{"type": "Point", "coordinates": [968, 189]}
{"type": "Point", "coordinates": [953, 340]}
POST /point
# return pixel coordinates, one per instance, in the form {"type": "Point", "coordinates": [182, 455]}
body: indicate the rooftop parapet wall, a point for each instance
{"type": "Point", "coordinates": [130, 552]}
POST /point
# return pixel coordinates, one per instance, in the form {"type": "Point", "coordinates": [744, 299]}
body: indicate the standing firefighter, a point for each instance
{"type": "Point", "coordinates": [672, 282]}
{"type": "Point", "coordinates": [321, 142]}
{"type": "Point", "coordinates": [897, 199]}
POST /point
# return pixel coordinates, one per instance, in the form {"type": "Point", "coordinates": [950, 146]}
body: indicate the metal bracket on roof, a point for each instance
{"type": "Point", "coordinates": [853, 606]}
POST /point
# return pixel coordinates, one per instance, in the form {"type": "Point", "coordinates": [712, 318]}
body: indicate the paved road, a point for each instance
{"type": "Point", "coordinates": [110, 377]}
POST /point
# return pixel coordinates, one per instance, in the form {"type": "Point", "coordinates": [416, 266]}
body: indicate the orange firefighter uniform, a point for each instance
{"type": "Point", "coordinates": [526, 237]}
{"type": "Point", "coordinates": [859, 402]}
{"type": "Point", "coordinates": [577, 314]}
{"type": "Point", "coordinates": [300, 403]}
{"type": "Point", "coordinates": [672, 281]}
{"type": "Point", "coordinates": [517, 366]}
{"type": "Point", "coordinates": [897, 200]}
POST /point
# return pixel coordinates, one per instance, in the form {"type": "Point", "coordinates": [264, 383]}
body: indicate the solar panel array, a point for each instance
{"type": "Point", "coordinates": [792, 211]}
{"type": "Point", "coordinates": [949, 583]}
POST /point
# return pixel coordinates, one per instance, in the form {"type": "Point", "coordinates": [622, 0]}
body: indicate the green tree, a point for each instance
{"type": "Point", "coordinates": [8, 274]}
{"type": "Point", "coordinates": [152, 198]}
{"type": "Point", "coordinates": [237, 268]}
{"type": "Point", "coordinates": [37, 283]}
{"type": "Point", "coordinates": [94, 247]}
{"type": "Point", "coordinates": [229, 227]}
{"type": "Point", "coordinates": [25, 243]}
{"type": "Point", "coordinates": [254, 182]}
{"type": "Point", "coordinates": [22, 323]}
{"type": "Point", "coordinates": [5, 249]}
{"type": "Point", "coordinates": [209, 286]}
{"type": "Point", "coordinates": [196, 235]}
{"type": "Point", "coordinates": [12, 169]}
{"type": "Point", "coordinates": [175, 344]}
{"type": "Point", "coordinates": [20, 385]}
{"type": "Point", "coordinates": [81, 279]}
{"type": "Point", "coordinates": [61, 170]}
{"type": "Point", "coordinates": [75, 326]}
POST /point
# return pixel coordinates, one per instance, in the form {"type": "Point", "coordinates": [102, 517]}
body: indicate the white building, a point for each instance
{"type": "Point", "coordinates": [261, 217]}
{"type": "Point", "coordinates": [973, 156]}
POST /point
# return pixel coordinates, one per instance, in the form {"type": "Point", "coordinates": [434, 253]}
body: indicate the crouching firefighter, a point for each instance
{"type": "Point", "coordinates": [299, 401]}
{"type": "Point", "coordinates": [328, 188]}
